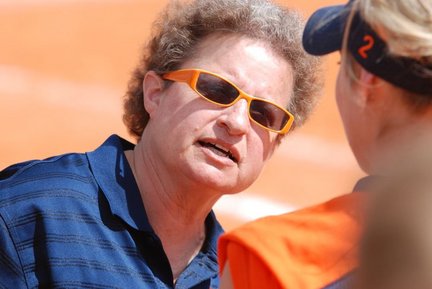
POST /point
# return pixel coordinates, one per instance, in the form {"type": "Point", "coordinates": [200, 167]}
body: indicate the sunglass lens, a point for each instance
{"type": "Point", "coordinates": [268, 115]}
{"type": "Point", "coordinates": [216, 89]}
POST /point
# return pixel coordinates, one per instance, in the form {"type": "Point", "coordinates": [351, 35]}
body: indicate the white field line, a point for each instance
{"type": "Point", "coordinates": [247, 206]}
{"type": "Point", "coordinates": [317, 150]}
{"type": "Point", "coordinates": [97, 98]}
{"type": "Point", "coordinates": [58, 92]}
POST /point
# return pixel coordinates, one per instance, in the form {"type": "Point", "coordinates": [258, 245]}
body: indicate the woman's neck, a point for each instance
{"type": "Point", "coordinates": [176, 214]}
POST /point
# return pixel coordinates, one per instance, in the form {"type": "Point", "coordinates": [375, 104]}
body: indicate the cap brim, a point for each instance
{"type": "Point", "coordinates": [324, 30]}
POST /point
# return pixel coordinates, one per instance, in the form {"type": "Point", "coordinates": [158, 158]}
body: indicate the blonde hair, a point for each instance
{"type": "Point", "coordinates": [406, 27]}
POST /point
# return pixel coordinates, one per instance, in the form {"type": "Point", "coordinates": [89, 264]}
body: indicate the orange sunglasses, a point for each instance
{"type": "Point", "coordinates": [218, 90]}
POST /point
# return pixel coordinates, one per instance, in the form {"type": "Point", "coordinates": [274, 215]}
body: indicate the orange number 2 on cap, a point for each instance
{"type": "Point", "coordinates": [365, 48]}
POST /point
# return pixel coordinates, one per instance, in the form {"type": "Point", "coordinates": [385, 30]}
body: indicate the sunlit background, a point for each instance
{"type": "Point", "coordinates": [64, 67]}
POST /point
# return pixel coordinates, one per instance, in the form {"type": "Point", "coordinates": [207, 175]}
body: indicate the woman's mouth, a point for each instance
{"type": "Point", "coordinates": [218, 150]}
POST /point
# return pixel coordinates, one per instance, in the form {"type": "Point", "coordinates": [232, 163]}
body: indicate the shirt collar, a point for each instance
{"type": "Point", "coordinates": [366, 184]}
{"type": "Point", "coordinates": [115, 178]}
{"type": "Point", "coordinates": [213, 232]}
{"type": "Point", "coordinates": [205, 264]}
{"type": "Point", "coordinates": [116, 181]}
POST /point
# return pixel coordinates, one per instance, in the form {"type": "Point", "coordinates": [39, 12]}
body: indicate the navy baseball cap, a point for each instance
{"type": "Point", "coordinates": [324, 33]}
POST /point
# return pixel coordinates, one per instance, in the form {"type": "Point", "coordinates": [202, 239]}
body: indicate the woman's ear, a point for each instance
{"type": "Point", "coordinates": [153, 86]}
{"type": "Point", "coordinates": [367, 78]}
{"type": "Point", "coordinates": [367, 84]}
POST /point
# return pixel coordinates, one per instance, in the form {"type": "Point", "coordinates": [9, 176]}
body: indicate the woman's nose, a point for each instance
{"type": "Point", "coordinates": [235, 118]}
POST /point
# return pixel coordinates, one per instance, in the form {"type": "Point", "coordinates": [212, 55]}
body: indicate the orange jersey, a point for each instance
{"type": "Point", "coordinates": [307, 249]}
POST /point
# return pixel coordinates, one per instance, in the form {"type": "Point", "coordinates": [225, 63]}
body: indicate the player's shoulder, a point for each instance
{"type": "Point", "coordinates": [320, 219]}
{"type": "Point", "coordinates": [44, 174]}
{"type": "Point", "coordinates": [65, 162]}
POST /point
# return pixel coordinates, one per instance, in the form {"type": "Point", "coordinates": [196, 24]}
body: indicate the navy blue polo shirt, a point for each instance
{"type": "Point", "coordinates": [77, 221]}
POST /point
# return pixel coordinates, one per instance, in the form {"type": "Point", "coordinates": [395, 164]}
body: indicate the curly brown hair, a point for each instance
{"type": "Point", "coordinates": [183, 25]}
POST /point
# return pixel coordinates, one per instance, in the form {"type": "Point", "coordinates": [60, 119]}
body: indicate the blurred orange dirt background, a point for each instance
{"type": "Point", "coordinates": [64, 67]}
